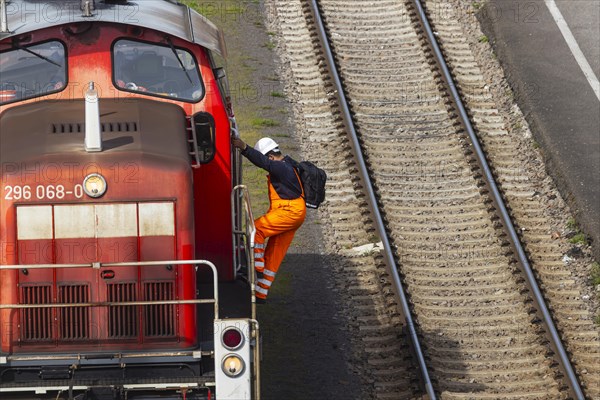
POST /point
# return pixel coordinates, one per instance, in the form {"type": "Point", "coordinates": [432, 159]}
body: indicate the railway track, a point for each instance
{"type": "Point", "coordinates": [477, 323]}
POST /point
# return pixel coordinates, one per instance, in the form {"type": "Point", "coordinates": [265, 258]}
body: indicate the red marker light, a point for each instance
{"type": "Point", "coordinates": [232, 338]}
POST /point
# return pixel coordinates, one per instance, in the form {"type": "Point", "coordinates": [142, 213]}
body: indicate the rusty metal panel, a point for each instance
{"type": "Point", "coordinates": [74, 221]}
{"type": "Point", "coordinates": [116, 220]}
{"type": "Point", "coordinates": [157, 219]}
{"type": "Point", "coordinates": [34, 222]}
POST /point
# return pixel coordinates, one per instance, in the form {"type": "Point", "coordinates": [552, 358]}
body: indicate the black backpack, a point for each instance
{"type": "Point", "coordinates": [313, 181]}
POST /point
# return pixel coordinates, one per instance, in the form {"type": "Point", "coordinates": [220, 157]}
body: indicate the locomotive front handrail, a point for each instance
{"type": "Point", "coordinates": [118, 356]}
{"type": "Point", "coordinates": [214, 300]}
{"type": "Point", "coordinates": [106, 304]}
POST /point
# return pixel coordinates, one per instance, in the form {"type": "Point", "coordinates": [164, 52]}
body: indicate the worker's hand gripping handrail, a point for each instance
{"type": "Point", "coordinates": [233, 128]}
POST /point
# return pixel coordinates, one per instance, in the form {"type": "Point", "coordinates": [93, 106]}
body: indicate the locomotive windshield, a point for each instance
{"type": "Point", "coordinates": [32, 71]}
{"type": "Point", "coordinates": [157, 70]}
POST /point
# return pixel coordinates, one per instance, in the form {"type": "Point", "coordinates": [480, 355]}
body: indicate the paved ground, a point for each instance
{"type": "Point", "coordinates": [307, 352]}
{"type": "Point", "coordinates": [553, 92]}
{"type": "Point", "coordinates": [583, 17]}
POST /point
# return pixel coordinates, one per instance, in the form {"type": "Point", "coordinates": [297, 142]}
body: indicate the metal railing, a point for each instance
{"type": "Point", "coordinates": [242, 228]}
{"type": "Point", "coordinates": [243, 237]}
{"type": "Point", "coordinates": [98, 265]}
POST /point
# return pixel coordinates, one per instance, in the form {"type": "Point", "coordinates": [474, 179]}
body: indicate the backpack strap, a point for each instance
{"type": "Point", "coordinates": [299, 180]}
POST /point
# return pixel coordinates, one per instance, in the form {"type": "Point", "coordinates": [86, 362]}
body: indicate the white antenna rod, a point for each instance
{"type": "Point", "coordinates": [88, 6]}
{"type": "Point", "coordinates": [93, 130]}
{"type": "Point", "coordinates": [3, 17]}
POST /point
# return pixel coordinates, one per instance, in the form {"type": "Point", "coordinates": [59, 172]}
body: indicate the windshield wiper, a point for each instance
{"type": "Point", "coordinates": [179, 59]}
{"type": "Point", "coordinates": [37, 55]}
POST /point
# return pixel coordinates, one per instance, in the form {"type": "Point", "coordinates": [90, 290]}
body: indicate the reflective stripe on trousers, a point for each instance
{"type": "Point", "coordinates": [279, 225]}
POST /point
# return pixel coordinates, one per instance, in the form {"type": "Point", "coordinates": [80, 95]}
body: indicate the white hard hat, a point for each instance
{"type": "Point", "coordinates": [266, 145]}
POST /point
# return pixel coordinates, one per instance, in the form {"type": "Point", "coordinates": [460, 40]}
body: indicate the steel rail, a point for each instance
{"type": "Point", "coordinates": [499, 202]}
{"type": "Point", "coordinates": [372, 200]}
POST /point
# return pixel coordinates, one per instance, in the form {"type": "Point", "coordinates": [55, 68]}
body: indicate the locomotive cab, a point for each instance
{"type": "Point", "coordinates": [123, 222]}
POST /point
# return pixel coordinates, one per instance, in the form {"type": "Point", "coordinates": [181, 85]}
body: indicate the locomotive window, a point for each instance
{"type": "Point", "coordinates": [32, 71]}
{"type": "Point", "coordinates": [159, 70]}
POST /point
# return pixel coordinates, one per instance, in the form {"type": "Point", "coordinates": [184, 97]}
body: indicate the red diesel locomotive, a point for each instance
{"type": "Point", "coordinates": [122, 218]}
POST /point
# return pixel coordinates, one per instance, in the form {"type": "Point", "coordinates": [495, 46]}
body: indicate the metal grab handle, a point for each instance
{"type": "Point", "coordinates": [250, 233]}
{"type": "Point", "coordinates": [233, 127]}
{"type": "Point", "coordinates": [249, 216]}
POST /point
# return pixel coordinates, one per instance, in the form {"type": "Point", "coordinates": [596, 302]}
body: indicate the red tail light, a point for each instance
{"type": "Point", "coordinates": [232, 338]}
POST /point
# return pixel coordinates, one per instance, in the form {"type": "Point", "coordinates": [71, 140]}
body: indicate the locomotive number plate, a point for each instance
{"type": "Point", "coordinates": [42, 192]}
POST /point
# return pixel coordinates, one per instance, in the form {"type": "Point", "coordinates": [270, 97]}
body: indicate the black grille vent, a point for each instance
{"type": "Point", "coordinates": [74, 321]}
{"type": "Point", "coordinates": [36, 323]}
{"type": "Point", "coordinates": [119, 126]}
{"type": "Point", "coordinates": [106, 127]}
{"type": "Point", "coordinates": [159, 319]}
{"type": "Point", "coordinates": [122, 320]}
{"type": "Point", "coordinates": [67, 128]}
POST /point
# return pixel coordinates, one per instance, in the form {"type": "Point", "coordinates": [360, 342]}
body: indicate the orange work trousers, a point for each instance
{"type": "Point", "coordinates": [279, 225]}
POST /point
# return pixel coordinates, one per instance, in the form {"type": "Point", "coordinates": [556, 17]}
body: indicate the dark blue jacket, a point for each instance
{"type": "Point", "coordinates": [283, 177]}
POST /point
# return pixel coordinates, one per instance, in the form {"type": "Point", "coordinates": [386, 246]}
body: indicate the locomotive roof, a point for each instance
{"type": "Point", "coordinates": [162, 15]}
